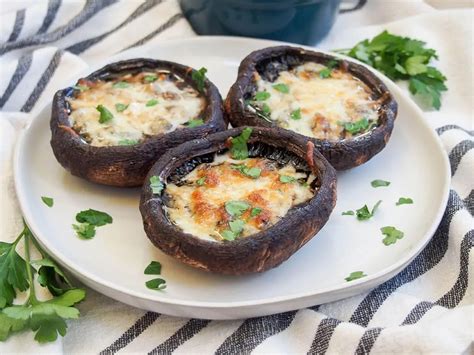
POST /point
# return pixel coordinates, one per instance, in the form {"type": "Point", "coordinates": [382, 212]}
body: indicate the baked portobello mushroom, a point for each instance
{"type": "Point", "coordinates": [238, 202]}
{"type": "Point", "coordinates": [115, 123]}
{"type": "Point", "coordinates": [342, 107]}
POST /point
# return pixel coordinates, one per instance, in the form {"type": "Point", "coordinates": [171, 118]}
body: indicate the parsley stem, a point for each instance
{"type": "Point", "coordinates": [32, 297]}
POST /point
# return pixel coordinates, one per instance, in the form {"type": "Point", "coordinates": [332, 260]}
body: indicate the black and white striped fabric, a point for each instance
{"type": "Point", "coordinates": [426, 308]}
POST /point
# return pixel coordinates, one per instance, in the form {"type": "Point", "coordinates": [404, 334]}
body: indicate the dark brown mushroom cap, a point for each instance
{"type": "Point", "coordinates": [269, 62]}
{"type": "Point", "coordinates": [126, 166]}
{"type": "Point", "coordinates": [255, 253]}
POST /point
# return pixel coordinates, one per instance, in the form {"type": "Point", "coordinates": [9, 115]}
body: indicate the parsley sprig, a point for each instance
{"type": "Point", "coordinates": [45, 318]}
{"type": "Point", "coordinates": [403, 58]}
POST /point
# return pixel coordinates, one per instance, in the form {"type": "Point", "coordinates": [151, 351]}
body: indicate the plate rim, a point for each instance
{"type": "Point", "coordinates": [339, 287]}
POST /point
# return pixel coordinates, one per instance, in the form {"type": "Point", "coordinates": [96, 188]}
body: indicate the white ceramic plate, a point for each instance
{"type": "Point", "coordinates": [113, 262]}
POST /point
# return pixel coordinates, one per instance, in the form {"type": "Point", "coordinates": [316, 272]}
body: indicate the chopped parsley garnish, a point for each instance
{"type": "Point", "coordinates": [266, 109]}
{"type": "Point", "coordinates": [81, 88]}
{"type": "Point", "coordinates": [404, 201]}
{"type": "Point", "coordinates": [48, 201]}
{"type": "Point", "coordinates": [250, 172]}
{"type": "Point", "coordinates": [151, 102]}
{"type": "Point", "coordinates": [379, 183]}
{"type": "Point", "coordinates": [88, 220]}
{"type": "Point", "coordinates": [261, 96]}
{"type": "Point", "coordinates": [199, 77]}
{"type": "Point", "coordinates": [150, 78]}
{"type": "Point", "coordinates": [121, 107]}
{"type": "Point", "coordinates": [156, 185]}
{"type": "Point", "coordinates": [363, 213]}
{"type": "Point", "coordinates": [355, 275]}
{"type": "Point", "coordinates": [121, 85]}
{"type": "Point", "coordinates": [154, 268]}
{"type": "Point", "coordinates": [236, 208]}
{"type": "Point", "coordinates": [157, 284]}
{"type": "Point", "coordinates": [201, 181]}
{"type": "Point", "coordinates": [392, 234]}
{"type": "Point", "coordinates": [128, 141]}
{"type": "Point", "coordinates": [255, 211]}
{"type": "Point", "coordinates": [45, 318]}
{"type": "Point", "coordinates": [239, 149]}
{"type": "Point", "coordinates": [283, 88]}
{"type": "Point", "coordinates": [356, 127]}
{"type": "Point", "coordinates": [403, 58]}
{"type": "Point", "coordinates": [236, 227]}
{"type": "Point", "coordinates": [348, 213]}
{"type": "Point", "coordinates": [194, 123]}
{"type": "Point", "coordinates": [296, 114]}
{"type": "Point", "coordinates": [105, 115]}
{"type": "Point", "coordinates": [94, 217]}
{"type": "Point", "coordinates": [325, 73]}
{"type": "Point", "coordinates": [287, 179]}
{"type": "Point", "coordinates": [84, 230]}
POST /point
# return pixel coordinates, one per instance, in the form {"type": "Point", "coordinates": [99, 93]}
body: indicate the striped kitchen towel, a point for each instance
{"type": "Point", "coordinates": [426, 308]}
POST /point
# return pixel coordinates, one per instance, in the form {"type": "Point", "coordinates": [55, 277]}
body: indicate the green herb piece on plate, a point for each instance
{"type": "Point", "coordinates": [392, 234]}
{"type": "Point", "coordinates": [404, 201]}
{"type": "Point", "coordinates": [154, 268]}
{"type": "Point", "coordinates": [348, 213]}
{"type": "Point", "coordinates": [379, 183]}
{"type": "Point", "coordinates": [363, 213]}
{"type": "Point", "coordinates": [157, 284]}
{"type": "Point", "coordinates": [48, 201]}
{"type": "Point", "coordinates": [94, 217]}
{"type": "Point", "coordinates": [84, 230]}
{"type": "Point", "coordinates": [355, 275]}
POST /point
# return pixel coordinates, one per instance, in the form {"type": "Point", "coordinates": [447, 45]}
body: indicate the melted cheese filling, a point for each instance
{"type": "Point", "coordinates": [198, 205]}
{"type": "Point", "coordinates": [155, 104]}
{"type": "Point", "coordinates": [315, 106]}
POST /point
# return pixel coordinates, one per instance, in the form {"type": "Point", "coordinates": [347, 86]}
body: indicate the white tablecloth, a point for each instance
{"type": "Point", "coordinates": [427, 308]}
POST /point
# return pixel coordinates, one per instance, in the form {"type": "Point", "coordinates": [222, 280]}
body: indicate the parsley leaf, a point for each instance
{"type": "Point", "coordinates": [81, 88]}
{"type": "Point", "coordinates": [287, 179]}
{"type": "Point", "coordinates": [94, 217]}
{"type": "Point", "coordinates": [151, 102]}
{"type": "Point", "coordinates": [154, 268]}
{"type": "Point", "coordinates": [236, 208]}
{"type": "Point", "coordinates": [355, 275]}
{"type": "Point", "coordinates": [266, 110]}
{"type": "Point", "coordinates": [13, 273]}
{"type": "Point", "coordinates": [121, 85]}
{"type": "Point", "coordinates": [239, 149]}
{"type": "Point", "coordinates": [261, 96]}
{"type": "Point", "coordinates": [404, 201]}
{"type": "Point", "coordinates": [245, 170]}
{"type": "Point", "coordinates": [348, 213]}
{"type": "Point", "coordinates": [296, 114]}
{"type": "Point", "coordinates": [325, 73]}
{"type": "Point", "coordinates": [255, 211]}
{"type": "Point", "coordinates": [283, 88]}
{"type": "Point", "coordinates": [363, 213]}
{"type": "Point", "coordinates": [157, 284]}
{"type": "Point", "coordinates": [194, 123]}
{"type": "Point", "coordinates": [403, 58]}
{"type": "Point", "coordinates": [228, 235]}
{"type": "Point", "coordinates": [237, 226]}
{"type": "Point", "coordinates": [120, 107]}
{"type": "Point", "coordinates": [150, 78]}
{"type": "Point", "coordinates": [199, 77]}
{"type": "Point", "coordinates": [84, 230]}
{"type": "Point", "coordinates": [356, 127]}
{"type": "Point", "coordinates": [392, 235]}
{"type": "Point", "coordinates": [378, 183]}
{"type": "Point", "coordinates": [156, 185]}
{"type": "Point", "coordinates": [51, 276]}
{"type": "Point", "coordinates": [128, 141]}
{"type": "Point", "coordinates": [201, 181]}
{"type": "Point", "coordinates": [105, 115]}
{"type": "Point", "coordinates": [48, 201]}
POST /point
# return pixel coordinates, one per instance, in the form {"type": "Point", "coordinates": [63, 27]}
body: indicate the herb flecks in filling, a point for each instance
{"type": "Point", "coordinates": [316, 100]}
{"type": "Point", "coordinates": [133, 107]}
{"type": "Point", "coordinates": [230, 199]}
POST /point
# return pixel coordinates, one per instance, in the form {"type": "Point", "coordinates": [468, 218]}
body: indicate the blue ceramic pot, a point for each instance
{"type": "Point", "coordinates": [298, 21]}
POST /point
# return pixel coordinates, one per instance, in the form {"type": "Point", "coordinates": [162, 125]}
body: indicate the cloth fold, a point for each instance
{"type": "Point", "coordinates": [427, 308]}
